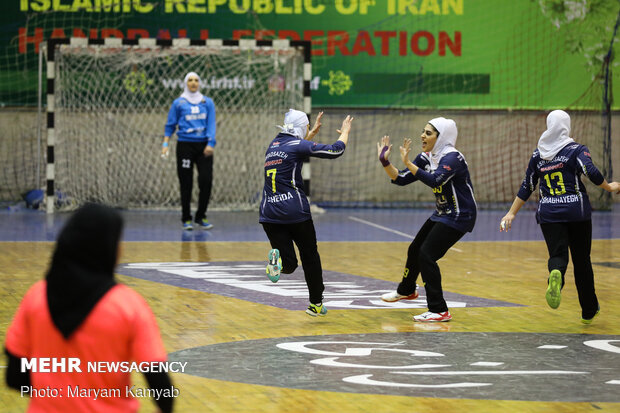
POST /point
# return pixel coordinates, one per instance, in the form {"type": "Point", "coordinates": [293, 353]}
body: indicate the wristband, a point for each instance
{"type": "Point", "coordinates": [165, 144]}
{"type": "Point", "coordinates": [382, 159]}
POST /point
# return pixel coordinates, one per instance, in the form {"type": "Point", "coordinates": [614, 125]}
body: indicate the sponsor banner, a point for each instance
{"type": "Point", "coordinates": [394, 53]}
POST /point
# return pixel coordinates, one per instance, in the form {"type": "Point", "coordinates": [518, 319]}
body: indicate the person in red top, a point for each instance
{"type": "Point", "coordinates": [80, 312]}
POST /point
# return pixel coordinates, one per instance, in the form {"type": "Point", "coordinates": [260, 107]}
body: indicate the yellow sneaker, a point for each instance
{"type": "Point", "coordinates": [316, 310]}
{"type": "Point", "coordinates": [554, 289]}
{"type": "Point", "coordinates": [589, 320]}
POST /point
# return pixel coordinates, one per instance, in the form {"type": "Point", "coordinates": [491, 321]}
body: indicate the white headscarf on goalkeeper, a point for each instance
{"type": "Point", "coordinates": [295, 123]}
{"type": "Point", "coordinates": [192, 97]}
{"type": "Point", "coordinates": [446, 140]}
{"type": "Point", "coordinates": [556, 136]}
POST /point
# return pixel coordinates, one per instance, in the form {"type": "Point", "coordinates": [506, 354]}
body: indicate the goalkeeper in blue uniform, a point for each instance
{"type": "Point", "coordinates": [443, 168]}
{"type": "Point", "coordinates": [194, 115]}
{"type": "Point", "coordinates": [564, 211]}
{"type": "Point", "coordinates": [285, 210]}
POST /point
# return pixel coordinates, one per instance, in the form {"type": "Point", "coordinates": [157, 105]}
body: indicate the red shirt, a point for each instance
{"type": "Point", "coordinates": [121, 327]}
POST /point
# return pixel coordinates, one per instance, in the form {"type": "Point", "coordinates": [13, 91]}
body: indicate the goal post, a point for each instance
{"type": "Point", "coordinates": [108, 100]}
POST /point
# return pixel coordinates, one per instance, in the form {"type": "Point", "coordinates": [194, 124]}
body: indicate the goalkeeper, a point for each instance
{"type": "Point", "coordinates": [194, 115]}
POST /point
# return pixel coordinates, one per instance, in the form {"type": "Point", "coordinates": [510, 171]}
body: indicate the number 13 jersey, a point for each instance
{"type": "Point", "coordinates": [563, 197]}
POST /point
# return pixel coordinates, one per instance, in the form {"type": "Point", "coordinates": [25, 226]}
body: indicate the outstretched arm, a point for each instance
{"type": "Point", "coordinates": [331, 151]}
{"type": "Point", "coordinates": [345, 129]}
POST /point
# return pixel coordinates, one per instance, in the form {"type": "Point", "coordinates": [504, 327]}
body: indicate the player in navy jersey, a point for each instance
{"type": "Point", "coordinates": [564, 211]}
{"type": "Point", "coordinates": [285, 210]}
{"type": "Point", "coordinates": [194, 115]}
{"type": "Point", "coordinates": [443, 168]}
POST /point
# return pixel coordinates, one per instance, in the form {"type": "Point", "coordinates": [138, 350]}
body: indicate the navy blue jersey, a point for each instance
{"type": "Point", "coordinates": [284, 200]}
{"type": "Point", "coordinates": [454, 192]}
{"type": "Point", "coordinates": [563, 197]}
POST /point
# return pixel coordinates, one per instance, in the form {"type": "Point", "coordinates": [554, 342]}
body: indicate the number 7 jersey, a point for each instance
{"type": "Point", "coordinates": [284, 198]}
{"type": "Point", "coordinates": [563, 197]}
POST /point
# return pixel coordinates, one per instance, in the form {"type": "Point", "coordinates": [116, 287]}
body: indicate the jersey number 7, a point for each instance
{"type": "Point", "coordinates": [272, 172]}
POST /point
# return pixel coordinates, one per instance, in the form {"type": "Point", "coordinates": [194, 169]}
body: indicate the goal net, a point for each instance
{"type": "Point", "coordinates": [111, 100]}
{"type": "Point", "coordinates": [497, 146]}
{"type": "Point", "coordinates": [498, 84]}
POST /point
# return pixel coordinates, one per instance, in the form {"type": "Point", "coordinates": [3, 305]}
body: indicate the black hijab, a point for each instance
{"type": "Point", "coordinates": [82, 269]}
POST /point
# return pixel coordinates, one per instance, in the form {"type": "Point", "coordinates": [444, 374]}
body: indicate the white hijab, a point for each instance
{"type": "Point", "coordinates": [446, 140]}
{"type": "Point", "coordinates": [192, 97]}
{"type": "Point", "coordinates": [295, 122]}
{"type": "Point", "coordinates": [556, 136]}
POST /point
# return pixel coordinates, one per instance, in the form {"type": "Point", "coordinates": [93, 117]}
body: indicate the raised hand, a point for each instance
{"type": "Point", "coordinates": [405, 150]}
{"type": "Point", "coordinates": [346, 125]}
{"type": "Point", "coordinates": [384, 148]}
{"type": "Point", "coordinates": [315, 129]}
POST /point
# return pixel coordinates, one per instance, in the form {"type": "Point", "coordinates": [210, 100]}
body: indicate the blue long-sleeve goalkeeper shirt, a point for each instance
{"type": "Point", "coordinates": [196, 123]}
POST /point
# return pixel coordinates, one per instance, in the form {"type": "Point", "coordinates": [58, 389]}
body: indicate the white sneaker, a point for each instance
{"type": "Point", "coordinates": [429, 317]}
{"type": "Point", "coordinates": [394, 296]}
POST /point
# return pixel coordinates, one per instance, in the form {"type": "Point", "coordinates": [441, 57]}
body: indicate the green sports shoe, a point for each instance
{"type": "Point", "coordinates": [554, 289]}
{"type": "Point", "coordinates": [274, 266]}
{"type": "Point", "coordinates": [316, 310]}
{"type": "Point", "coordinates": [589, 320]}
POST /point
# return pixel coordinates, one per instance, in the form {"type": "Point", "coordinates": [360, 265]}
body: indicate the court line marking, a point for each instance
{"type": "Point", "coordinates": [402, 234]}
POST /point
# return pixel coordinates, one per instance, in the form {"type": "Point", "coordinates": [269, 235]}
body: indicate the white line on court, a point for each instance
{"type": "Point", "coordinates": [402, 234]}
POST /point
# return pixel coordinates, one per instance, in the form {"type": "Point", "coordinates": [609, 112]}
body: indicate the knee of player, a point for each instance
{"type": "Point", "coordinates": [427, 256]}
{"type": "Point", "coordinates": [288, 267]}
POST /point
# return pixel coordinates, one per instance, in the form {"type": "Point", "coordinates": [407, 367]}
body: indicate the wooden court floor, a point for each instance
{"type": "Point", "coordinates": [513, 272]}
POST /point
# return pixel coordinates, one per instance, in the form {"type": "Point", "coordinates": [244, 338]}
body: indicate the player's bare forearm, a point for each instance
{"type": "Point", "coordinates": [391, 171]}
{"type": "Point", "coordinates": [516, 206]}
{"type": "Point", "coordinates": [411, 166]}
{"type": "Point", "coordinates": [506, 222]}
{"type": "Point", "coordinates": [613, 187]}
